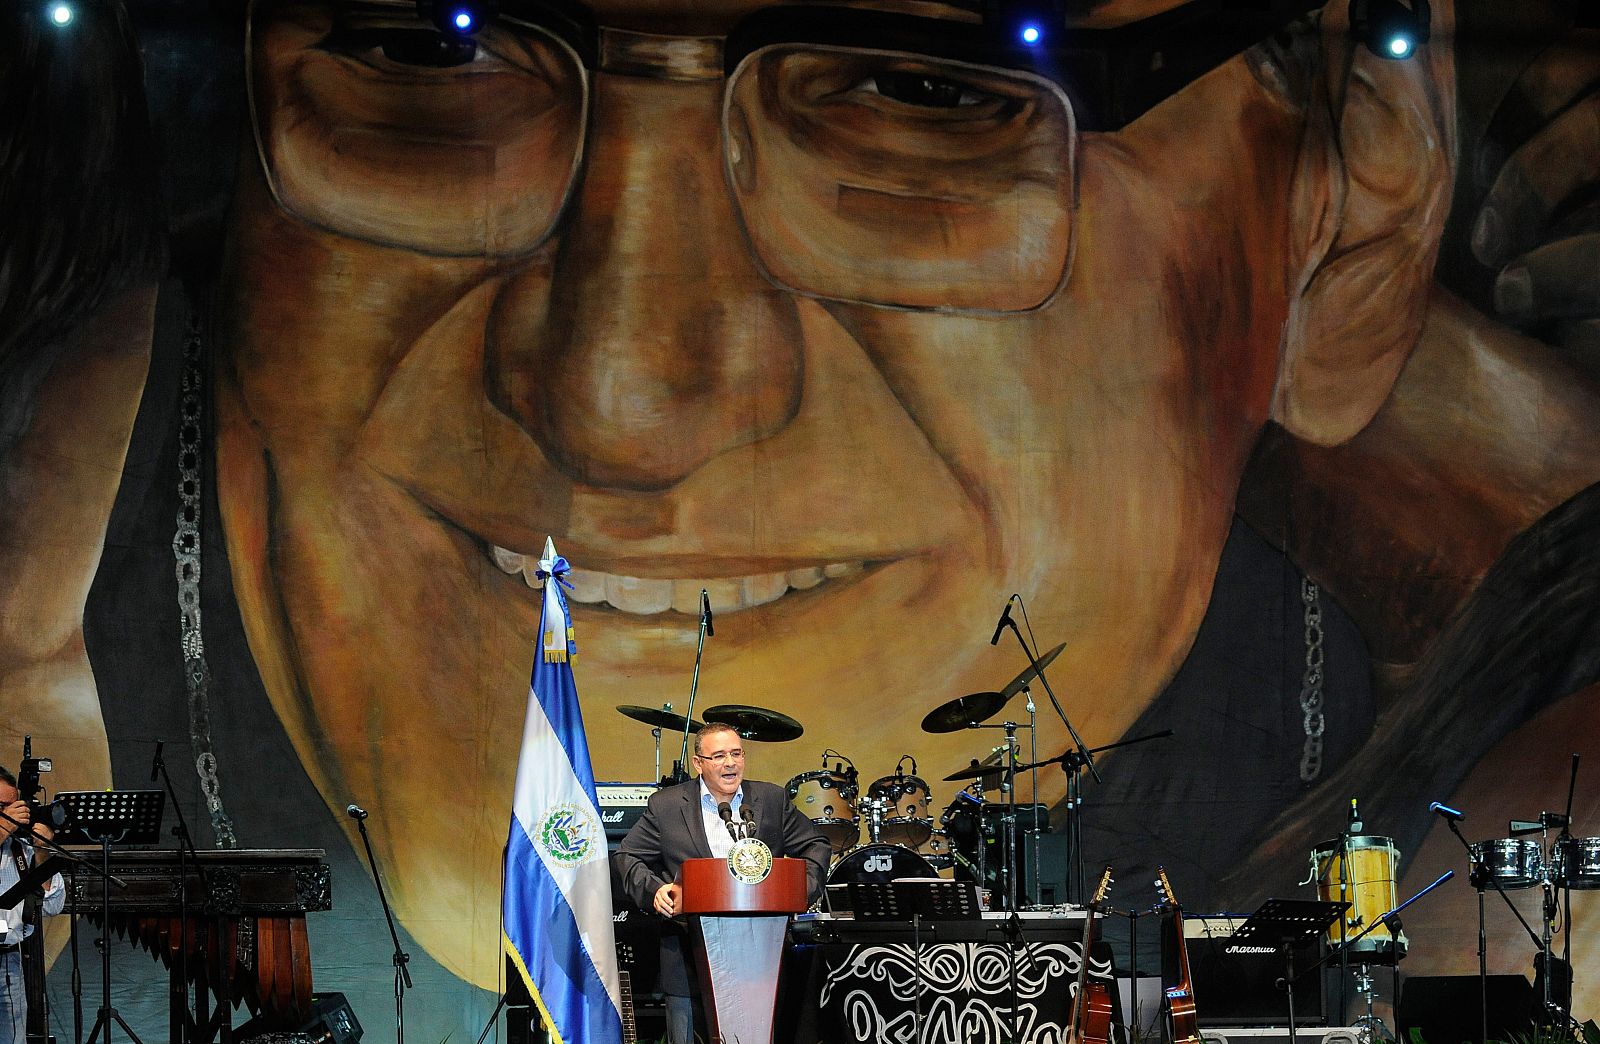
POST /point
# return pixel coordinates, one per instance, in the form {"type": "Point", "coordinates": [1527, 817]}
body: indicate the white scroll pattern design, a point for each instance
{"type": "Point", "coordinates": [957, 983]}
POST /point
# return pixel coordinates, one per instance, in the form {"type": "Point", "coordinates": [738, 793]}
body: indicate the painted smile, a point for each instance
{"type": "Point", "coordinates": [647, 596]}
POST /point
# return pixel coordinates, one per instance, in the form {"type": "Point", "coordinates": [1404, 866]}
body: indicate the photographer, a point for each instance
{"type": "Point", "coordinates": [17, 923]}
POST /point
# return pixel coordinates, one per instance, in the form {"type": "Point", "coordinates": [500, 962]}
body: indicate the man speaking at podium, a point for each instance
{"type": "Point", "coordinates": [685, 822]}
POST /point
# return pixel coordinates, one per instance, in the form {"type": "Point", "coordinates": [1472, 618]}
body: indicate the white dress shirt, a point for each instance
{"type": "Point", "coordinates": [716, 830]}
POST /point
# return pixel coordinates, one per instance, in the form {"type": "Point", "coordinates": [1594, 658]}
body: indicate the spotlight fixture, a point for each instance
{"type": "Point", "coordinates": [1029, 23]}
{"type": "Point", "coordinates": [60, 13]}
{"type": "Point", "coordinates": [1390, 29]}
{"type": "Point", "coordinates": [457, 17]}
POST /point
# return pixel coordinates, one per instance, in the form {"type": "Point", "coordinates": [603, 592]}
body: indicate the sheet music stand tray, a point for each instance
{"type": "Point", "coordinates": [106, 818]}
{"type": "Point", "coordinates": [1288, 924]}
{"type": "Point", "coordinates": [929, 900]}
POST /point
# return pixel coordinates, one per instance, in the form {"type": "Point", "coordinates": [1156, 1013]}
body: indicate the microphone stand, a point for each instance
{"type": "Point", "coordinates": [186, 851]}
{"type": "Point", "coordinates": [1478, 874]}
{"type": "Point", "coordinates": [402, 973]}
{"type": "Point", "coordinates": [680, 768]}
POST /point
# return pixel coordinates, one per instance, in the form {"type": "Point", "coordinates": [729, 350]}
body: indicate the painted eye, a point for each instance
{"type": "Point", "coordinates": [418, 48]}
{"type": "Point", "coordinates": [926, 91]}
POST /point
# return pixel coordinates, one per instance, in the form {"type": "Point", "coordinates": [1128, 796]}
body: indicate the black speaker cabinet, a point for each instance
{"type": "Point", "coordinates": [1235, 984]}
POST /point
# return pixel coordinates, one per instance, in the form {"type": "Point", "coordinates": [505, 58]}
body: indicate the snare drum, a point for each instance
{"type": "Point", "coordinates": [878, 863]}
{"type": "Point", "coordinates": [906, 818]}
{"type": "Point", "coordinates": [828, 799]}
{"type": "Point", "coordinates": [1577, 863]}
{"type": "Point", "coordinates": [1368, 878]}
{"type": "Point", "coordinates": [1511, 861]}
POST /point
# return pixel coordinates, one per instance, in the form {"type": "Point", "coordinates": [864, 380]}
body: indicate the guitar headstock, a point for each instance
{"type": "Point", "coordinates": [1101, 889]}
{"type": "Point", "coordinates": [1164, 887]}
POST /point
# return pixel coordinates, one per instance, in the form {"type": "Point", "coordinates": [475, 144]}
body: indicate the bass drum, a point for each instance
{"type": "Point", "coordinates": [875, 864]}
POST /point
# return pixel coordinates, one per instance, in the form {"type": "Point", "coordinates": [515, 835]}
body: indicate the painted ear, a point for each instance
{"type": "Point", "coordinates": [1371, 197]}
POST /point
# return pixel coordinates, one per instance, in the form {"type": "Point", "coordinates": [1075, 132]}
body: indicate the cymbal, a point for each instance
{"type": "Point", "coordinates": [661, 719]}
{"type": "Point", "coordinates": [976, 771]}
{"type": "Point", "coordinates": [963, 711]}
{"type": "Point", "coordinates": [756, 723]}
{"type": "Point", "coordinates": [1021, 681]}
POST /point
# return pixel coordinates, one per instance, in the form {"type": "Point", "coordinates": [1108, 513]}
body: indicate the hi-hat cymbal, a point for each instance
{"type": "Point", "coordinates": [756, 723]}
{"type": "Point", "coordinates": [976, 771]}
{"type": "Point", "coordinates": [964, 712]}
{"type": "Point", "coordinates": [1021, 681]}
{"type": "Point", "coordinates": [661, 719]}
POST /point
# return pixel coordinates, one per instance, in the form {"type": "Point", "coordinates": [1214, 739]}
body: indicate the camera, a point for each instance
{"type": "Point", "coordinates": [53, 814]}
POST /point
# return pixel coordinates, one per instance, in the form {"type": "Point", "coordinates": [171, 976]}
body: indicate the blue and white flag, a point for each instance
{"type": "Point", "coordinates": [557, 896]}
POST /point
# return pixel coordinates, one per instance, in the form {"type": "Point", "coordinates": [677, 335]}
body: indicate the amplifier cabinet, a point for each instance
{"type": "Point", "coordinates": [1236, 984]}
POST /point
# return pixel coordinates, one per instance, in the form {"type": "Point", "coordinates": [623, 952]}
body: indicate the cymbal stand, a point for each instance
{"type": "Point", "coordinates": [655, 734]}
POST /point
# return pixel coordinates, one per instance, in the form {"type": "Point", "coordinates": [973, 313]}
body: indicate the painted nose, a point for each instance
{"type": "Point", "coordinates": [648, 342]}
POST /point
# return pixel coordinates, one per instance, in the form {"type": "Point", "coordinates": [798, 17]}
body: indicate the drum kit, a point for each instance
{"type": "Point", "coordinates": [887, 830]}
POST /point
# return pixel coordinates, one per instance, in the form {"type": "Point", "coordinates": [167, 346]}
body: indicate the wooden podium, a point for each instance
{"type": "Point", "coordinates": [742, 929]}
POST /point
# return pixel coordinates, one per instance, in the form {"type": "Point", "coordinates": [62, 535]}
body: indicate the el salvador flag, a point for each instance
{"type": "Point", "coordinates": [557, 895]}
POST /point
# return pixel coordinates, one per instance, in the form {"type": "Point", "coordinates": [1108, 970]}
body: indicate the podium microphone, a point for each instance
{"type": "Point", "coordinates": [725, 810]}
{"type": "Point", "coordinates": [749, 818]}
{"type": "Point", "coordinates": [1005, 618]}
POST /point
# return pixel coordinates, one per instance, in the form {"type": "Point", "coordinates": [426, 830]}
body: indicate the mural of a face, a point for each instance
{"type": "Point", "coordinates": [690, 327]}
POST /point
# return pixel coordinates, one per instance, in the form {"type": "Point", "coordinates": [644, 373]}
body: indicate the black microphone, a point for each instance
{"type": "Point", "coordinates": [1005, 618]}
{"type": "Point", "coordinates": [1447, 812]}
{"type": "Point", "coordinates": [725, 810]}
{"type": "Point", "coordinates": [355, 812]}
{"type": "Point", "coordinates": [705, 613]}
{"type": "Point", "coordinates": [155, 762]}
{"type": "Point", "coordinates": [749, 818]}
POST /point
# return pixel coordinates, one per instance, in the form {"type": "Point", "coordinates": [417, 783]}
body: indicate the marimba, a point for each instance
{"type": "Point", "coordinates": [244, 935]}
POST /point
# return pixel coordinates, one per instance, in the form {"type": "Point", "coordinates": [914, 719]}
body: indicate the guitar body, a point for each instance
{"type": "Point", "coordinates": [1096, 1015]}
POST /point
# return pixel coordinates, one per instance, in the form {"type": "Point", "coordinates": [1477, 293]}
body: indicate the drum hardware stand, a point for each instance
{"type": "Point", "coordinates": [1478, 874]}
{"type": "Point", "coordinates": [1082, 750]}
{"type": "Point", "coordinates": [186, 852]}
{"type": "Point", "coordinates": [1008, 787]}
{"type": "Point", "coordinates": [680, 768]}
{"type": "Point", "coordinates": [1568, 862]}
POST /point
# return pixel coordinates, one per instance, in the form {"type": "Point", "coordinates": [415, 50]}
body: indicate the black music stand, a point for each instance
{"type": "Point", "coordinates": [1286, 924]}
{"type": "Point", "coordinates": [106, 818]}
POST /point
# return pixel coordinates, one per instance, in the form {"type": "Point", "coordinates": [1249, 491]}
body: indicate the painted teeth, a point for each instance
{"type": "Point", "coordinates": [646, 596]}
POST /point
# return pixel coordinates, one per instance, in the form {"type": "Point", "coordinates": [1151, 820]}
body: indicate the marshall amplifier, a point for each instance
{"type": "Point", "coordinates": [1236, 983]}
{"type": "Point", "coordinates": [621, 805]}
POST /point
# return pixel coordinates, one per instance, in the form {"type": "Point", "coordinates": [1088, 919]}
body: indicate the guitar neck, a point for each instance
{"type": "Point", "coordinates": [630, 1032]}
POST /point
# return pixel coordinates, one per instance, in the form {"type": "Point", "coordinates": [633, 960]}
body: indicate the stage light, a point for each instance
{"type": "Point", "coordinates": [1030, 34]}
{"type": "Point", "coordinates": [1390, 29]}
{"type": "Point", "coordinates": [457, 17]}
{"type": "Point", "coordinates": [61, 14]}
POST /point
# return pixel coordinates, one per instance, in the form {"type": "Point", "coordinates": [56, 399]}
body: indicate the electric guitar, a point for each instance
{"type": "Point", "coordinates": [1091, 1010]}
{"type": "Point", "coordinates": [1178, 999]}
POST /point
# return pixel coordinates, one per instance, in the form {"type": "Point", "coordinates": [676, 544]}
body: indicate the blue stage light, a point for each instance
{"type": "Point", "coordinates": [1031, 34]}
{"type": "Point", "coordinates": [1401, 46]}
{"type": "Point", "coordinates": [462, 20]}
{"type": "Point", "coordinates": [61, 14]}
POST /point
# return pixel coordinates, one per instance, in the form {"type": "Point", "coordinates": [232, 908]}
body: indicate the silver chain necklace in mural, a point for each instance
{"type": "Point", "coordinates": [1311, 684]}
{"type": "Point", "coordinates": [186, 549]}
